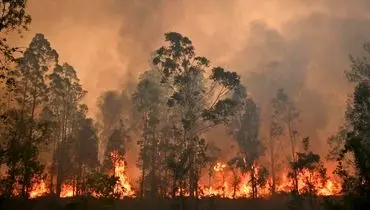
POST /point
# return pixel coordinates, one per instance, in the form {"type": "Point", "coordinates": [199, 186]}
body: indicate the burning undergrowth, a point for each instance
{"type": "Point", "coordinates": [117, 178]}
{"type": "Point", "coordinates": [222, 180]}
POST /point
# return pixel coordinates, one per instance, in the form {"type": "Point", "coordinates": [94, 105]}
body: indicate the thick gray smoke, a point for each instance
{"type": "Point", "coordinates": [299, 45]}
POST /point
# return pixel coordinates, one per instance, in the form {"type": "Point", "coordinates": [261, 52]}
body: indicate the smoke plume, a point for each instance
{"type": "Point", "coordinates": [301, 46]}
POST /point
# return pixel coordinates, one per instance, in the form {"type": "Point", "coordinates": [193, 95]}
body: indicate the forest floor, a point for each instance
{"type": "Point", "coordinates": [48, 203]}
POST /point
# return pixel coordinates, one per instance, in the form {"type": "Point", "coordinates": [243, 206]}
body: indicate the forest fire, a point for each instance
{"type": "Point", "coordinates": [229, 183]}
{"type": "Point", "coordinates": [38, 190]}
{"type": "Point", "coordinates": [67, 191]}
{"type": "Point", "coordinates": [123, 187]}
{"type": "Point", "coordinates": [223, 182]}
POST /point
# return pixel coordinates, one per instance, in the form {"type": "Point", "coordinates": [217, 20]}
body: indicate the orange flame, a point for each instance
{"type": "Point", "coordinates": [38, 190]}
{"type": "Point", "coordinates": [123, 187]}
{"type": "Point", "coordinates": [224, 182]}
{"type": "Point", "coordinates": [67, 191]}
{"type": "Point", "coordinates": [234, 184]}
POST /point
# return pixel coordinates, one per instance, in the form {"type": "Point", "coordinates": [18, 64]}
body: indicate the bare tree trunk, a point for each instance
{"type": "Point", "coordinates": [142, 180]}
{"type": "Point", "coordinates": [254, 182]}
{"type": "Point", "coordinates": [153, 185]}
{"type": "Point", "coordinates": [27, 176]}
{"type": "Point", "coordinates": [59, 171]}
{"type": "Point", "coordinates": [174, 188]}
{"type": "Point", "coordinates": [292, 145]}
{"type": "Point", "coordinates": [272, 161]}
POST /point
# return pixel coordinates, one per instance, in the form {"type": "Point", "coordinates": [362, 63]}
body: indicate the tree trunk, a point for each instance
{"type": "Point", "coordinates": [27, 176]}
{"type": "Point", "coordinates": [272, 160]}
{"type": "Point", "coordinates": [153, 187]}
{"type": "Point", "coordinates": [59, 170]}
{"type": "Point", "coordinates": [142, 180]}
{"type": "Point", "coordinates": [292, 145]}
{"type": "Point", "coordinates": [174, 187]}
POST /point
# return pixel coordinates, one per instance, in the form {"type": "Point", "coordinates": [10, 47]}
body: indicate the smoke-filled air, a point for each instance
{"type": "Point", "coordinates": [185, 104]}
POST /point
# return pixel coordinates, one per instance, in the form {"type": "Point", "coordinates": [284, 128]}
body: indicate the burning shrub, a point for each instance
{"type": "Point", "coordinates": [102, 185]}
{"type": "Point", "coordinates": [310, 171]}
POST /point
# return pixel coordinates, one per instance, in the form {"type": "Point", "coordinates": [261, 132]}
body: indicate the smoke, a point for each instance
{"type": "Point", "coordinates": [299, 45]}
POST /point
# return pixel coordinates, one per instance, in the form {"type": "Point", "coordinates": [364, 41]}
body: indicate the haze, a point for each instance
{"type": "Point", "coordinates": [303, 43]}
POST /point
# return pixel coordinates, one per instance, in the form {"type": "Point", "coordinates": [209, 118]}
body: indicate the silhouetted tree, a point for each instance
{"type": "Point", "coordinates": [149, 99]}
{"type": "Point", "coordinates": [13, 17]}
{"type": "Point", "coordinates": [284, 118]}
{"type": "Point", "coordinates": [200, 102]}
{"type": "Point", "coordinates": [102, 185]}
{"type": "Point", "coordinates": [28, 129]}
{"type": "Point", "coordinates": [114, 111]}
{"type": "Point", "coordinates": [117, 142]}
{"type": "Point", "coordinates": [309, 168]}
{"type": "Point", "coordinates": [85, 148]}
{"type": "Point", "coordinates": [245, 130]}
{"type": "Point", "coordinates": [65, 95]}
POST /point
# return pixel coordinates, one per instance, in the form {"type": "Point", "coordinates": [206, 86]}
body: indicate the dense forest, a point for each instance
{"type": "Point", "coordinates": [53, 151]}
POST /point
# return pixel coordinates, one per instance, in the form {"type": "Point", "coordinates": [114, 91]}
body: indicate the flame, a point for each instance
{"type": "Point", "coordinates": [38, 189]}
{"type": "Point", "coordinates": [219, 166]}
{"type": "Point", "coordinates": [228, 183]}
{"type": "Point", "coordinates": [223, 182]}
{"type": "Point", "coordinates": [327, 188]}
{"type": "Point", "coordinates": [67, 191]}
{"type": "Point", "coordinates": [233, 184]}
{"type": "Point", "coordinates": [123, 187]}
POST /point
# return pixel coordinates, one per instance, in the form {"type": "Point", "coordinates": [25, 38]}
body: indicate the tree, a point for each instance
{"type": "Point", "coordinates": [116, 143]}
{"type": "Point", "coordinates": [65, 94]}
{"type": "Point", "coordinates": [200, 102]}
{"type": "Point", "coordinates": [114, 108]}
{"type": "Point", "coordinates": [21, 154]}
{"type": "Point", "coordinates": [309, 168]}
{"type": "Point", "coordinates": [275, 132]}
{"type": "Point", "coordinates": [356, 132]}
{"type": "Point", "coordinates": [13, 16]}
{"type": "Point", "coordinates": [85, 148]}
{"type": "Point", "coordinates": [245, 130]}
{"type": "Point", "coordinates": [284, 118]}
{"type": "Point", "coordinates": [102, 185]}
{"type": "Point", "coordinates": [28, 129]}
{"type": "Point", "coordinates": [149, 99]}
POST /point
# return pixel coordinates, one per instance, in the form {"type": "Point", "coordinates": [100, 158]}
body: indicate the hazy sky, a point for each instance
{"type": "Point", "coordinates": [307, 42]}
